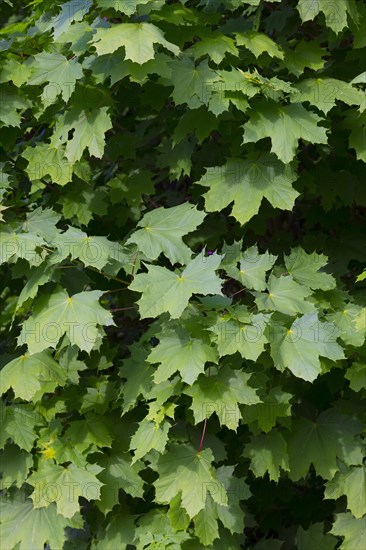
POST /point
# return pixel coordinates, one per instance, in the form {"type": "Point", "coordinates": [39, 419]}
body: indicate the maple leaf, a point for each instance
{"type": "Point", "coordinates": [321, 441]}
{"type": "Point", "coordinates": [163, 229]}
{"type": "Point", "coordinates": [221, 394]}
{"type": "Point", "coordinates": [57, 314]}
{"type": "Point", "coordinates": [300, 347]}
{"type": "Point", "coordinates": [183, 471]}
{"type": "Point", "coordinates": [259, 43]}
{"type": "Point", "coordinates": [177, 351]}
{"type": "Point", "coordinates": [44, 160]}
{"type": "Point", "coordinates": [58, 71]}
{"type": "Point", "coordinates": [246, 183]}
{"type": "Point", "coordinates": [352, 530]}
{"type": "Point", "coordinates": [138, 39]}
{"type": "Point", "coordinates": [285, 126]}
{"type": "Point", "coordinates": [284, 295]}
{"type": "Point", "coordinates": [335, 14]}
{"type": "Point", "coordinates": [24, 527]}
{"type": "Point", "coordinates": [253, 268]}
{"type": "Point", "coordinates": [71, 482]}
{"type": "Point", "coordinates": [349, 481]}
{"type": "Point", "coordinates": [29, 375]}
{"type": "Point", "coordinates": [304, 268]}
{"type": "Point", "coordinates": [15, 465]}
{"type": "Point", "coordinates": [163, 290]}
{"type": "Point", "coordinates": [89, 132]}
{"type": "Point", "coordinates": [267, 453]}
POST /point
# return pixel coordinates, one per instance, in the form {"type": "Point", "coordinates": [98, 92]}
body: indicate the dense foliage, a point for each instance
{"type": "Point", "coordinates": [182, 243]}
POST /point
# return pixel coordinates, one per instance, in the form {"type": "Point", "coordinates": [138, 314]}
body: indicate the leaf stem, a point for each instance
{"type": "Point", "coordinates": [202, 436]}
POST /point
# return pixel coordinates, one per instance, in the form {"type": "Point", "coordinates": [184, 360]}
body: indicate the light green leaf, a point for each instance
{"type": "Point", "coordinates": [27, 528]}
{"type": "Point", "coordinates": [149, 435]}
{"type": "Point", "coordinates": [247, 338]}
{"type": "Point", "coordinates": [321, 441]}
{"type": "Point", "coordinates": [300, 347]}
{"type": "Point", "coordinates": [221, 394]}
{"type": "Point", "coordinates": [71, 11]}
{"type": "Point", "coordinates": [163, 290]}
{"type": "Point", "coordinates": [205, 523]}
{"type": "Point", "coordinates": [78, 316]}
{"type": "Point", "coordinates": [29, 374]}
{"type": "Point", "coordinates": [60, 72]}
{"type": "Point", "coordinates": [285, 126]}
{"type": "Point", "coordinates": [163, 229]}
{"type": "Point", "coordinates": [183, 471]}
{"type": "Point", "coordinates": [323, 93]}
{"type": "Point", "coordinates": [138, 39]}
{"type": "Point", "coordinates": [335, 13]}
{"type": "Point", "coordinates": [345, 321]}
{"type": "Point", "coordinates": [259, 43]}
{"type": "Point", "coordinates": [267, 453]}
{"type": "Point", "coordinates": [305, 54]}
{"type": "Point", "coordinates": [351, 482]}
{"type": "Point", "coordinates": [44, 160]}
{"type": "Point", "coordinates": [253, 268]}
{"type": "Point", "coordinates": [177, 351]}
{"type": "Point", "coordinates": [124, 6]}
{"type": "Point", "coordinates": [284, 295]}
{"type": "Point", "coordinates": [304, 268]}
{"type": "Point", "coordinates": [352, 530]}
{"type": "Point", "coordinates": [89, 131]}
{"type": "Point", "coordinates": [276, 404]}
{"type": "Point", "coordinates": [215, 45]}
{"type": "Point", "coordinates": [91, 250]}
{"type": "Point", "coordinates": [91, 431]}
{"type": "Point", "coordinates": [64, 486]}
{"type": "Point", "coordinates": [356, 374]}
{"type": "Point", "coordinates": [15, 245]}
{"type": "Point", "coordinates": [18, 423]}
{"type": "Point", "coordinates": [192, 85]}
{"type": "Point", "coordinates": [246, 183]}
{"type": "Point", "coordinates": [118, 473]}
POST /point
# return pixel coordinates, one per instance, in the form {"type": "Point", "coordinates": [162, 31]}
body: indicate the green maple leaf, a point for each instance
{"type": "Point", "coordinates": [321, 441]}
{"type": "Point", "coordinates": [44, 160]}
{"type": "Point", "coordinates": [314, 537]}
{"type": "Point", "coordinates": [138, 39]}
{"type": "Point", "coordinates": [54, 315]}
{"type": "Point", "coordinates": [118, 473]}
{"type": "Point", "coordinates": [12, 105]}
{"type": "Point", "coordinates": [91, 250]}
{"type": "Point", "coordinates": [345, 321]}
{"type": "Point", "coordinates": [350, 481]}
{"type": "Point", "coordinates": [163, 290]}
{"type": "Point", "coordinates": [15, 465]}
{"type": "Point", "coordinates": [253, 268]}
{"type": "Point", "coordinates": [300, 347]}
{"type": "Point", "coordinates": [149, 435]}
{"type": "Point", "coordinates": [15, 245]}
{"type": "Point", "coordinates": [29, 375]}
{"type": "Point", "coordinates": [285, 126]}
{"type": "Point", "coordinates": [356, 123]}
{"type": "Point", "coordinates": [267, 453]}
{"type": "Point", "coordinates": [356, 374]}
{"type": "Point", "coordinates": [305, 54]}
{"type": "Point", "coordinates": [205, 523]}
{"type": "Point", "coordinates": [192, 85]}
{"type": "Point", "coordinates": [27, 528]}
{"type": "Point", "coordinates": [71, 483]}
{"type": "Point", "coordinates": [259, 43]}
{"type": "Point", "coordinates": [215, 45]}
{"type": "Point", "coordinates": [247, 338]}
{"type": "Point", "coordinates": [17, 72]}
{"type": "Point", "coordinates": [163, 229]}
{"type": "Point", "coordinates": [91, 431]}
{"type": "Point", "coordinates": [56, 69]}
{"type": "Point", "coordinates": [221, 394]}
{"type": "Point", "coordinates": [304, 268]}
{"type": "Point", "coordinates": [335, 14]}
{"type": "Point", "coordinates": [19, 423]}
{"type": "Point", "coordinates": [276, 403]}
{"type": "Point", "coordinates": [284, 295]}
{"type": "Point", "coordinates": [42, 222]}
{"type": "Point", "coordinates": [323, 93]}
{"type": "Point", "coordinates": [37, 277]}
{"type": "Point", "coordinates": [89, 131]}
{"type": "Point", "coordinates": [71, 11]}
{"type": "Point", "coordinates": [125, 6]}
{"type": "Point", "coordinates": [183, 471]}
{"type": "Point", "coordinates": [352, 530]}
{"type": "Point", "coordinates": [118, 533]}
{"type": "Point", "coordinates": [177, 351]}
{"type": "Point", "coordinates": [138, 374]}
{"type": "Point", "coordinates": [246, 183]}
